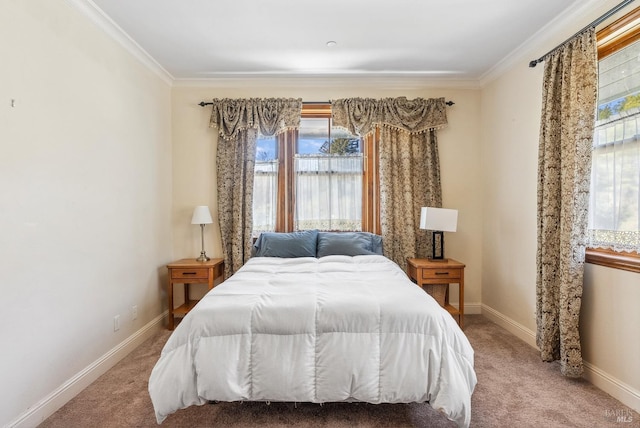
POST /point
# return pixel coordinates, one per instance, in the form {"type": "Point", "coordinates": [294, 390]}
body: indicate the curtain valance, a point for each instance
{"type": "Point", "coordinates": [362, 115]}
{"type": "Point", "coordinates": [270, 116]}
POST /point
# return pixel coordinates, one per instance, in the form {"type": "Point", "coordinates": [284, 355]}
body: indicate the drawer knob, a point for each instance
{"type": "Point", "coordinates": [189, 273]}
{"type": "Point", "coordinates": [442, 273]}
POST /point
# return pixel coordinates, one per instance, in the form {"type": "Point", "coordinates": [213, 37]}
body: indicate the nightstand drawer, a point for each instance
{"type": "Point", "coordinates": [441, 273]}
{"type": "Point", "coordinates": [189, 273]}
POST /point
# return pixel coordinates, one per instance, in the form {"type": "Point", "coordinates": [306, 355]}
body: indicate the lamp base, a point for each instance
{"type": "Point", "coordinates": [431, 259]}
{"type": "Point", "coordinates": [203, 257]}
{"type": "Point", "coordinates": [437, 246]}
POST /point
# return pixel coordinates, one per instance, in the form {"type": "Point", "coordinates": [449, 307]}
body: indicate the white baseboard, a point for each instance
{"type": "Point", "coordinates": [609, 384]}
{"type": "Point", "coordinates": [470, 308]}
{"type": "Point", "coordinates": [72, 387]}
{"type": "Point", "coordinates": [510, 325]}
{"type": "Point", "coordinates": [612, 386]}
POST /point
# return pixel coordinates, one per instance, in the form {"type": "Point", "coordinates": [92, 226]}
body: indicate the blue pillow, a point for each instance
{"type": "Point", "coordinates": [348, 244]}
{"type": "Point", "coordinates": [376, 243]}
{"type": "Point", "coordinates": [287, 245]}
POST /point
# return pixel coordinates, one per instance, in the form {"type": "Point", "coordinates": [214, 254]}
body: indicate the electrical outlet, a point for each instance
{"type": "Point", "coordinates": [134, 312]}
{"type": "Point", "coordinates": [116, 323]}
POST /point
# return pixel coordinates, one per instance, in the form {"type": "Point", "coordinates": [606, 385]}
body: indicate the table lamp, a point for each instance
{"type": "Point", "coordinates": [202, 216]}
{"type": "Point", "coordinates": [438, 220]}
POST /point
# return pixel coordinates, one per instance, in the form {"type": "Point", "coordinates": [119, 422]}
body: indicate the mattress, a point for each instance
{"type": "Point", "coordinates": [329, 329]}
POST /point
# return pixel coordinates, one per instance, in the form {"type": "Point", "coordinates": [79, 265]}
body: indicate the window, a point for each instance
{"type": "Point", "coordinates": [320, 177]}
{"type": "Point", "coordinates": [328, 167]}
{"type": "Point", "coordinates": [265, 185]}
{"type": "Point", "coordinates": [614, 213]}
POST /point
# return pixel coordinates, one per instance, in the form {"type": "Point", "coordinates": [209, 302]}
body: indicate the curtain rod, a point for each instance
{"type": "Point", "coordinates": [202, 103]}
{"type": "Point", "coordinates": [611, 12]}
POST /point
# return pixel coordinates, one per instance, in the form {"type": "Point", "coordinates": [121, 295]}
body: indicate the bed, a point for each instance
{"type": "Point", "coordinates": [322, 328]}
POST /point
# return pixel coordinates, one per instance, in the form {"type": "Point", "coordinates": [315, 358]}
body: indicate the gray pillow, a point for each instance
{"type": "Point", "coordinates": [376, 243]}
{"type": "Point", "coordinates": [294, 244]}
{"type": "Point", "coordinates": [348, 244]}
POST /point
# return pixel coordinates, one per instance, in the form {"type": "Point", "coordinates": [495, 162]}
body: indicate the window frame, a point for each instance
{"type": "Point", "coordinates": [610, 39]}
{"type": "Point", "coordinates": [286, 150]}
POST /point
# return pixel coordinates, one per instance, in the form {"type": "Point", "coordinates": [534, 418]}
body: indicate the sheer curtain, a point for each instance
{"type": "Point", "coordinates": [564, 167]}
{"type": "Point", "coordinates": [614, 213]}
{"type": "Point", "coordinates": [615, 202]}
{"type": "Point", "coordinates": [328, 192]}
{"type": "Point", "coordinates": [409, 165]}
{"type": "Point", "coordinates": [265, 196]}
{"type": "Point", "coordinates": [239, 121]}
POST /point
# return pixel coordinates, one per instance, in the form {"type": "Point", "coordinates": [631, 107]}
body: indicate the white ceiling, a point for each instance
{"type": "Point", "coordinates": [457, 39]}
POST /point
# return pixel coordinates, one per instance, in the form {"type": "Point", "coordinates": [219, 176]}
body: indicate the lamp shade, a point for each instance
{"type": "Point", "coordinates": [201, 215]}
{"type": "Point", "coordinates": [441, 219]}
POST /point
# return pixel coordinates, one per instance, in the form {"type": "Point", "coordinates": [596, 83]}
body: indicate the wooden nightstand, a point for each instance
{"type": "Point", "coordinates": [424, 271]}
{"type": "Point", "coordinates": [191, 271]}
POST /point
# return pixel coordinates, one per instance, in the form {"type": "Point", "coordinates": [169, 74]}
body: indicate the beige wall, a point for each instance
{"type": "Point", "coordinates": [609, 330]}
{"type": "Point", "coordinates": [85, 185]}
{"type": "Point", "coordinates": [510, 106]}
{"type": "Point", "coordinates": [510, 118]}
{"type": "Point", "coordinates": [194, 161]}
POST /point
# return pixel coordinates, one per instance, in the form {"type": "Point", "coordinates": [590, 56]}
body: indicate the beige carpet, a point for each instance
{"type": "Point", "coordinates": [515, 389]}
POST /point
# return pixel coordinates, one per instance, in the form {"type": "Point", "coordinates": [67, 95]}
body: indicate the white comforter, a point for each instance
{"type": "Point", "coordinates": [332, 329]}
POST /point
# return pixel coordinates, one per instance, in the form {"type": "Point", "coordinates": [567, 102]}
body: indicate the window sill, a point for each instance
{"type": "Point", "coordinates": [613, 259]}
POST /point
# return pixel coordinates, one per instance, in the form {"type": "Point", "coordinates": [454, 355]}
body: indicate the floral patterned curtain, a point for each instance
{"type": "Point", "coordinates": [564, 167]}
{"type": "Point", "coordinates": [409, 164]}
{"type": "Point", "coordinates": [239, 121]}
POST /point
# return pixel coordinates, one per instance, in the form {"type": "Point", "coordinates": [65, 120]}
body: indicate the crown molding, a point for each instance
{"type": "Point", "coordinates": [90, 10]}
{"type": "Point", "coordinates": [545, 37]}
{"type": "Point", "coordinates": [332, 81]}
{"type": "Point", "coordinates": [576, 16]}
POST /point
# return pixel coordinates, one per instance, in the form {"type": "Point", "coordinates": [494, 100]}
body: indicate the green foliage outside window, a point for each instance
{"type": "Point", "coordinates": [618, 106]}
{"type": "Point", "coordinates": [340, 146]}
